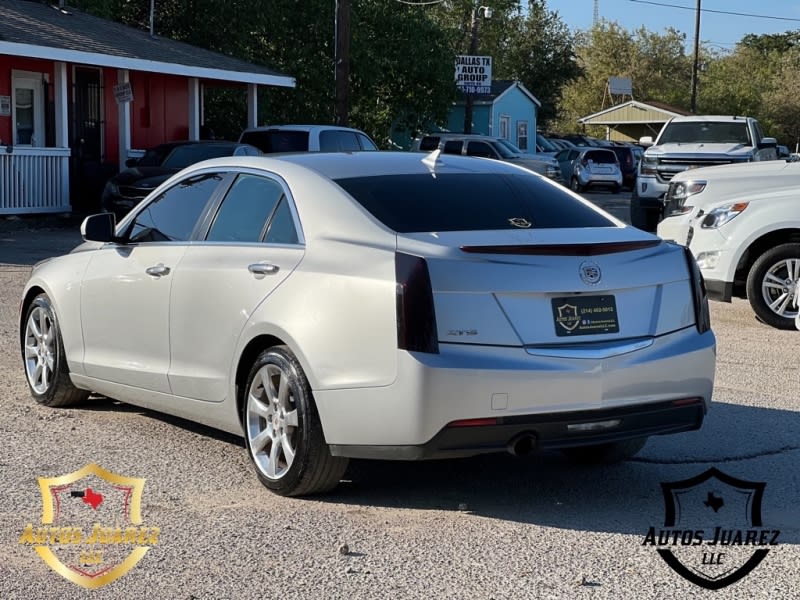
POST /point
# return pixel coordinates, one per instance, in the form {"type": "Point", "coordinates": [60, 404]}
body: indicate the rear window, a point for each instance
{"type": "Point", "coordinates": [277, 140]}
{"type": "Point", "coordinates": [601, 156]}
{"type": "Point", "coordinates": [468, 202]}
{"type": "Point", "coordinates": [429, 143]}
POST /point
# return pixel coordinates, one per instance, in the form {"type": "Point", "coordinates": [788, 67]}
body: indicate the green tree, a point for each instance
{"type": "Point", "coordinates": [656, 63]}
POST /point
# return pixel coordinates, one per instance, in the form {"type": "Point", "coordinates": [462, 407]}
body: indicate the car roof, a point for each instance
{"type": "Point", "coordinates": [308, 128]}
{"type": "Point", "coordinates": [710, 118]}
{"type": "Point", "coordinates": [176, 143]}
{"type": "Point", "coordinates": [341, 165]}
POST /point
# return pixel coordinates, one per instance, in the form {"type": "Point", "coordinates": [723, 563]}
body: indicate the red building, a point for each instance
{"type": "Point", "coordinates": [80, 94]}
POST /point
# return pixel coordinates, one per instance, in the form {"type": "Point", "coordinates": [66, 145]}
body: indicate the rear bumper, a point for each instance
{"type": "Point", "coordinates": [549, 432]}
{"type": "Point", "coordinates": [467, 381]}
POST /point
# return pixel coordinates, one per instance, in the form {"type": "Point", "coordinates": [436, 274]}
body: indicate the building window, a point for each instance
{"type": "Point", "coordinates": [27, 108]}
{"type": "Point", "coordinates": [505, 125]}
{"type": "Point", "coordinates": [522, 135]}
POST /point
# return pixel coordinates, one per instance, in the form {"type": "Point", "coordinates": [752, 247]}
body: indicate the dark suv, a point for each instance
{"type": "Point", "coordinates": [627, 164]}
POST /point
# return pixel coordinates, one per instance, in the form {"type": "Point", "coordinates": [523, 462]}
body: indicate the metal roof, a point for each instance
{"type": "Point", "coordinates": [633, 112]}
{"type": "Point", "coordinates": [38, 30]}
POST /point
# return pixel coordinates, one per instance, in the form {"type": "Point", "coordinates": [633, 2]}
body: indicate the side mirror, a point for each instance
{"type": "Point", "coordinates": [99, 228]}
{"type": "Point", "coordinates": [131, 162]}
{"type": "Point", "coordinates": [767, 142]}
{"type": "Point", "coordinates": [646, 141]}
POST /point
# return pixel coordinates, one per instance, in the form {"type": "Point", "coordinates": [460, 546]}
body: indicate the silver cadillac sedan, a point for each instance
{"type": "Point", "coordinates": [376, 305]}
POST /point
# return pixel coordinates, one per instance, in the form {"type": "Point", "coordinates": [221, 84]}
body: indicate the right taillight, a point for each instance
{"type": "Point", "coordinates": [699, 295]}
{"type": "Point", "coordinates": [416, 318]}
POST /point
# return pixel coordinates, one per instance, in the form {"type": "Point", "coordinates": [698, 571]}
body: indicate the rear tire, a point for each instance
{"type": "Point", "coordinates": [575, 185]}
{"type": "Point", "coordinates": [283, 431]}
{"type": "Point", "coordinates": [773, 280]}
{"type": "Point", "coordinates": [46, 368]}
{"type": "Point", "coordinates": [604, 454]}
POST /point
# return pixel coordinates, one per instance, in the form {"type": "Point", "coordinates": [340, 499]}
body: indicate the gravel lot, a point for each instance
{"type": "Point", "coordinates": [486, 527]}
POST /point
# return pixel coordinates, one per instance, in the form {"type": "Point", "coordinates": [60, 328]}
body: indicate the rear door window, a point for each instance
{"type": "Point", "coordinates": [244, 212]}
{"type": "Point", "coordinates": [453, 147]}
{"type": "Point", "coordinates": [468, 202]}
{"type": "Point", "coordinates": [338, 141]}
{"type": "Point", "coordinates": [481, 149]}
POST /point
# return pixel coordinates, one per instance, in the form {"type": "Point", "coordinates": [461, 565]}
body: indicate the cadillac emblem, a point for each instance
{"type": "Point", "coordinates": [589, 272]}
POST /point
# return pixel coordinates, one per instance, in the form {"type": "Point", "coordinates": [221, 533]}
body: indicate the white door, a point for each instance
{"type": "Point", "coordinates": [27, 109]}
{"type": "Point", "coordinates": [126, 289]}
{"type": "Point", "coordinates": [253, 243]}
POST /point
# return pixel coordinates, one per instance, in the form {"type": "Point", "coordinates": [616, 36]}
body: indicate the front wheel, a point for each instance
{"type": "Point", "coordinates": [603, 454]}
{"type": "Point", "coordinates": [283, 431]}
{"type": "Point", "coordinates": [45, 362]}
{"type": "Point", "coordinates": [773, 284]}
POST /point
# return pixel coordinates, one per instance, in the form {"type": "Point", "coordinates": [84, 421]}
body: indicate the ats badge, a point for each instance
{"type": "Point", "coordinates": [91, 530]}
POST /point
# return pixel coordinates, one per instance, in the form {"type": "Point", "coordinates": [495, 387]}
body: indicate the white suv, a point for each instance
{"type": "Point", "coordinates": [748, 246]}
{"type": "Point", "coordinates": [691, 193]}
{"type": "Point", "coordinates": [307, 138]}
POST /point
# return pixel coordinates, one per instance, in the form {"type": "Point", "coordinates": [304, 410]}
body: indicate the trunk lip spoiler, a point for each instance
{"type": "Point", "coordinates": [590, 249]}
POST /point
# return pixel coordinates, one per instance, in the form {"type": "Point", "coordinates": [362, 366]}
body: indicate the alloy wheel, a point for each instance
{"type": "Point", "coordinates": [272, 421]}
{"type": "Point", "coordinates": [40, 350]}
{"type": "Point", "coordinates": [780, 286]}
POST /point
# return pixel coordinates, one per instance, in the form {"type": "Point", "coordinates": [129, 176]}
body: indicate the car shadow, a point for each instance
{"type": "Point", "coordinates": [547, 490]}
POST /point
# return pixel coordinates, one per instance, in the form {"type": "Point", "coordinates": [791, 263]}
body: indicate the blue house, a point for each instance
{"type": "Point", "coordinates": [509, 111]}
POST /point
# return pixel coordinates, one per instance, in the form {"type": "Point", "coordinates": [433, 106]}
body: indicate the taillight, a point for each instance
{"type": "Point", "coordinates": [585, 162]}
{"type": "Point", "coordinates": [699, 295]}
{"type": "Point", "coordinates": [416, 318]}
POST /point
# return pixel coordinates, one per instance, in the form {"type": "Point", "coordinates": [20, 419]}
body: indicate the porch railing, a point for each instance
{"type": "Point", "coordinates": [34, 180]}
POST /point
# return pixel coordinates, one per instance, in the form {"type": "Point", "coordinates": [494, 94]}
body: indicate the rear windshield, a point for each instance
{"type": "Point", "coordinates": [468, 202]}
{"type": "Point", "coordinates": [601, 156]}
{"type": "Point", "coordinates": [277, 140]}
{"type": "Point", "coordinates": [183, 156]}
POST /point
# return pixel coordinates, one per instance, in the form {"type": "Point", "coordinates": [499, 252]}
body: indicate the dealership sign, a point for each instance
{"type": "Point", "coordinates": [474, 74]}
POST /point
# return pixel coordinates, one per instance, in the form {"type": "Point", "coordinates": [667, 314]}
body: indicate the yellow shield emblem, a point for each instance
{"type": "Point", "coordinates": [91, 531]}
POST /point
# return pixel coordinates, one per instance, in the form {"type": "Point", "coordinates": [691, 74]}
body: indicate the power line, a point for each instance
{"type": "Point", "coordinates": [719, 12]}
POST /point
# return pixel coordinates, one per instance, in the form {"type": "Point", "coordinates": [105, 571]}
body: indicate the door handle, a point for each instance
{"type": "Point", "coordinates": [263, 268]}
{"type": "Point", "coordinates": [157, 271]}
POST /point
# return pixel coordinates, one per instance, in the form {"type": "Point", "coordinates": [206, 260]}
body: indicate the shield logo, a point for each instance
{"type": "Point", "coordinates": [568, 316]}
{"type": "Point", "coordinates": [717, 517]}
{"type": "Point", "coordinates": [91, 531]}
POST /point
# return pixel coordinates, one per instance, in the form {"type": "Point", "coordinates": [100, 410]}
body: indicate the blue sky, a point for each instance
{"type": "Point", "coordinates": [715, 28]}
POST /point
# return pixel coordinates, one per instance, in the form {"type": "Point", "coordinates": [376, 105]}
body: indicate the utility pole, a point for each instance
{"type": "Point", "coordinates": [473, 50]}
{"type": "Point", "coordinates": [693, 103]}
{"type": "Point", "coordinates": [342, 63]}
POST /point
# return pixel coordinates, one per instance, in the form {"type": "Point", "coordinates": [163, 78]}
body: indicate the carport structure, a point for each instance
{"type": "Point", "coordinates": [629, 121]}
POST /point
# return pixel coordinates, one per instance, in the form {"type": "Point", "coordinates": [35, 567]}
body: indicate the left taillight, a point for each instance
{"type": "Point", "coordinates": [699, 294]}
{"type": "Point", "coordinates": [416, 318]}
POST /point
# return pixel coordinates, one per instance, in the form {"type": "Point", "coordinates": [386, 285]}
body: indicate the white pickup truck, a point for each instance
{"type": "Point", "coordinates": [688, 143]}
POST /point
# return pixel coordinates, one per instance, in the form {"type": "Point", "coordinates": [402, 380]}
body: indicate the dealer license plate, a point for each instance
{"type": "Point", "coordinates": [585, 315]}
